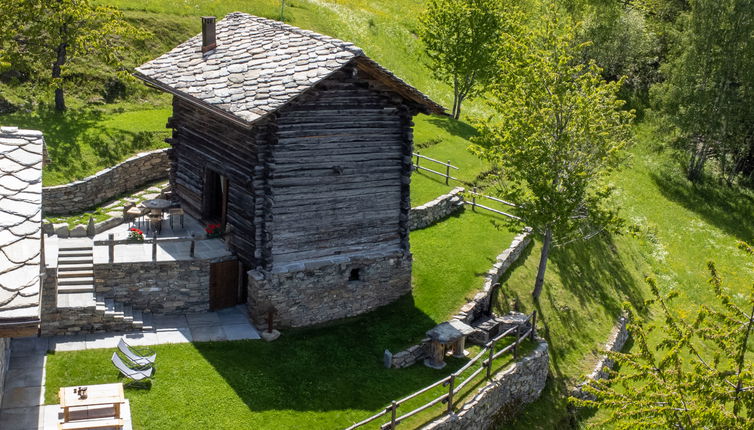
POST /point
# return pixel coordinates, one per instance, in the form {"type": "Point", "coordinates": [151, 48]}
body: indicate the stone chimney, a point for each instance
{"type": "Point", "coordinates": [208, 34]}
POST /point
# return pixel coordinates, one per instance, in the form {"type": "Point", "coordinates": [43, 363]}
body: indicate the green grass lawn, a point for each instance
{"type": "Point", "coordinates": [325, 377]}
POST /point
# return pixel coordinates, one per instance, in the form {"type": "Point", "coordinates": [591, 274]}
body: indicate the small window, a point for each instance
{"type": "Point", "coordinates": [355, 275]}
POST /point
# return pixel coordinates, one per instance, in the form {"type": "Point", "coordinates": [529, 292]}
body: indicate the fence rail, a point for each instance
{"type": "Point", "coordinates": [154, 240]}
{"type": "Point", "coordinates": [447, 165]}
{"type": "Point", "coordinates": [475, 205]}
{"type": "Point", "coordinates": [450, 380]}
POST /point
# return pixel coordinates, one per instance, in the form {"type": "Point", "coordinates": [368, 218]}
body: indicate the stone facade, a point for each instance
{"type": "Point", "coordinates": [160, 288]}
{"type": "Point", "coordinates": [323, 292]}
{"type": "Point", "coordinates": [4, 363]}
{"type": "Point", "coordinates": [498, 402]}
{"type": "Point", "coordinates": [127, 176]}
{"type": "Point", "coordinates": [618, 337]}
{"type": "Point", "coordinates": [436, 210]}
{"type": "Point", "coordinates": [481, 301]}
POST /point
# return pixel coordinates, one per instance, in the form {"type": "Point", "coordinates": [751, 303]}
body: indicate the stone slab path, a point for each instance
{"type": "Point", "coordinates": [23, 405]}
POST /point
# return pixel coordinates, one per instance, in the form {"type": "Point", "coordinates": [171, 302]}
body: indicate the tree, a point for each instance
{"type": "Point", "coordinates": [709, 89]}
{"type": "Point", "coordinates": [461, 40]}
{"type": "Point", "coordinates": [557, 131]}
{"type": "Point", "coordinates": [40, 34]}
{"type": "Point", "coordinates": [699, 375]}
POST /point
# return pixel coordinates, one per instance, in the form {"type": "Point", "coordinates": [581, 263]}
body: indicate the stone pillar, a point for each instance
{"type": "Point", "coordinates": [436, 358]}
{"type": "Point", "coordinates": [458, 348]}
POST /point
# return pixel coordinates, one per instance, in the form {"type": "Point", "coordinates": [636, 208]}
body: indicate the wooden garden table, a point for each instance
{"type": "Point", "coordinates": [97, 395]}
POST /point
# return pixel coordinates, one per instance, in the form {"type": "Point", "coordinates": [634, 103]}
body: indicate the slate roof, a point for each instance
{"type": "Point", "coordinates": [20, 223]}
{"type": "Point", "coordinates": [259, 65]}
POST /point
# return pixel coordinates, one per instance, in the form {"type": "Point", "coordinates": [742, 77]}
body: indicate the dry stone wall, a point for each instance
{"type": "Point", "coordinates": [618, 337]}
{"type": "Point", "coordinates": [436, 210]}
{"type": "Point", "coordinates": [160, 288]}
{"type": "Point", "coordinates": [498, 402]}
{"type": "Point", "coordinates": [127, 176]}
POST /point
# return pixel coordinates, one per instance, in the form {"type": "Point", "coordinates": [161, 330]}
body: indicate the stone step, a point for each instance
{"type": "Point", "coordinates": [78, 280]}
{"type": "Point", "coordinates": [83, 288]}
{"type": "Point", "coordinates": [73, 267]}
{"type": "Point", "coordinates": [128, 315]}
{"type": "Point", "coordinates": [76, 300]}
{"type": "Point", "coordinates": [75, 260]}
{"type": "Point", "coordinates": [75, 248]}
{"type": "Point", "coordinates": [137, 319]}
{"type": "Point", "coordinates": [75, 252]}
{"type": "Point", "coordinates": [146, 319]}
{"type": "Point", "coordinates": [75, 274]}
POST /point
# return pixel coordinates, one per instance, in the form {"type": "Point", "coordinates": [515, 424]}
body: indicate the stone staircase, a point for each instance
{"type": "Point", "coordinates": [79, 308]}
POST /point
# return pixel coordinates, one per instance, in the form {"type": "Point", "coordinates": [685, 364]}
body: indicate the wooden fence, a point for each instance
{"type": "Point", "coordinates": [475, 205]}
{"type": "Point", "coordinates": [485, 359]}
{"type": "Point", "coordinates": [111, 243]}
{"type": "Point", "coordinates": [447, 165]}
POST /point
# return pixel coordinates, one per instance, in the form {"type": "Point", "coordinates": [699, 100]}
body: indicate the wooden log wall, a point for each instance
{"type": "Point", "coordinates": [204, 141]}
{"type": "Point", "coordinates": [339, 172]}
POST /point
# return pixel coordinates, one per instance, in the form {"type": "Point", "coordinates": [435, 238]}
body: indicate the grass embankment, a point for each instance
{"type": "Point", "coordinates": [676, 227]}
{"type": "Point", "coordinates": [325, 377]}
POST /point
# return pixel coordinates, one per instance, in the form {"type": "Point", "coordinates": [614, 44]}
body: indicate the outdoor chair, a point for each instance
{"type": "Point", "coordinates": [176, 213]}
{"type": "Point", "coordinates": [140, 357]}
{"type": "Point", "coordinates": [135, 375]}
{"type": "Point", "coordinates": [134, 214]}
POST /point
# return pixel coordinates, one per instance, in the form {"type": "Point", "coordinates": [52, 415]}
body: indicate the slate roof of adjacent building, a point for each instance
{"type": "Point", "coordinates": [21, 154]}
{"type": "Point", "coordinates": [259, 65]}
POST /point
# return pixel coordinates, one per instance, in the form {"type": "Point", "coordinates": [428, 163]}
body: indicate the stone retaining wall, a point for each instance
{"type": "Point", "coordinates": [436, 210]}
{"type": "Point", "coordinates": [618, 337]}
{"type": "Point", "coordinates": [4, 363]}
{"type": "Point", "coordinates": [127, 176]}
{"type": "Point", "coordinates": [160, 288]}
{"type": "Point", "coordinates": [481, 301]}
{"type": "Point", "coordinates": [500, 400]}
{"type": "Point", "coordinates": [320, 292]}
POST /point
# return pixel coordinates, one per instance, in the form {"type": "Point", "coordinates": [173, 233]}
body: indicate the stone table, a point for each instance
{"type": "Point", "coordinates": [450, 334]}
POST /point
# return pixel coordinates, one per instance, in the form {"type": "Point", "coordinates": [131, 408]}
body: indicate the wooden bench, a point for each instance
{"type": "Point", "coordinates": [96, 423]}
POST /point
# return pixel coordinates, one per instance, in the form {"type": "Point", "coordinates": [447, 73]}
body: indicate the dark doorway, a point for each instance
{"type": "Point", "coordinates": [215, 198]}
{"type": "Point", "coordinates": [223, 285]}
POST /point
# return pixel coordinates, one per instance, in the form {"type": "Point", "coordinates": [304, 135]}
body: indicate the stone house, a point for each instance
{"type": "Point", "coordinates": [299, 146]}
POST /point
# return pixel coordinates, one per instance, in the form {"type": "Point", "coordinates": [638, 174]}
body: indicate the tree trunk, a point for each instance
{"type": "Point", "coordinates": [59, 61]}
{"type": "Point", "coordinates": [542, 264]}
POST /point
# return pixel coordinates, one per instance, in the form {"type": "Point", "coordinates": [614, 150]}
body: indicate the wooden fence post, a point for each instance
{"type": "Point", "coordinates": [452, 384]}
{"type": "Point", "coordinates": [473, 199]}
{"type": "Point", "coordinates": [447, 173]}
{"type": "Point", "coordinates": [111, 247]}
{"type": "Point", "coordinates": [393, 410]}
{"type": "Point", "coordinates": [533, 325]}
{"type": "Point", "coordinates": [515, 344]}
{"type": "Point", "coordinates": [154, 246]}
{"type": "Point", "coordinates": [417, 160]}
{"type": "Point", "coordinates": [192, 248]}
{"type": "Point", "coordinates": [489, 360]}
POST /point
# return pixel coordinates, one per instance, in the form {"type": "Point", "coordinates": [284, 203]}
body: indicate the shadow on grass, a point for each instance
{"type": "Point", "coordinates": [454, 127]}
{"type": "Point", "coordinates": [331, 367]}
{"type": "Point", "coordinates": [727, 208]}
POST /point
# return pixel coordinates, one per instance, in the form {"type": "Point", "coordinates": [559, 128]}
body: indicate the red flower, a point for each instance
{"type": "Point", "coordinates": [213, 229]}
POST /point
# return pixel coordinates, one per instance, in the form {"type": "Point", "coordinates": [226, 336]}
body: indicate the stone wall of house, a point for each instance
{"type": "Point", "coordinates": [618, 337]}
{"type": "Point", "coordinates": [320, 292]}
{"type": "Point", "coordinates": [498, 402]}
{"type": "Point", "coordinates": [127, 176]}
{"type": "Point", "coordinates": [160, 288]}
{"type": "Point", "coordinates": [4, 363]}
{"type": "Point", "coordinates": [436, 210]}
{"type": "Point", "coordinates": [481, 301]}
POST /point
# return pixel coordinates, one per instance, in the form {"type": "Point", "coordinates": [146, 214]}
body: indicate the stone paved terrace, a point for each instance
{"type": "Point", "coordinates": [23, 402]}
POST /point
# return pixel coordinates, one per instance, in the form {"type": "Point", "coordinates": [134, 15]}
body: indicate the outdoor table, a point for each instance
{"type": "Point", "coordinates": [97, 395]}
{"type": "Point", "coordinates": [157, 206]}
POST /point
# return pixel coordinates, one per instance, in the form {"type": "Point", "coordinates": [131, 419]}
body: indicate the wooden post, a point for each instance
{"type": "Point", "coordinates": [489, 360]}
{"type": "Point", "coordinates": [154, 246]}
{"type": "Point", "coordinates": [447, 173]}
{"type": "Point", "coordinates": [451, 383]}
{"type": "Point", "coordinates": [417, 161]}
{"type": "Point", "coordinates": [515, 344]}
{"type": "Point", "coordinates": [473, 199]}
{"type": "Point", "coordinates": [393, 413]}
{"type": "Point", "coordinates": [111, 247]}
{"type": "Point", "coordinates": [192, 247]}
{"type": "Point", "coordinates": [533, 325]}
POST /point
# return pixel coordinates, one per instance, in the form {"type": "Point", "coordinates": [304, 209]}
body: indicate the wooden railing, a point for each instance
{"type": "Point", "coordinates": [447, 165]}
{"type": "Point", "coordinates": [485, 359]}
{"type": "Point", "coordinates": [111, 243]}
{"type": "Point", "coordinates": [475, 205]}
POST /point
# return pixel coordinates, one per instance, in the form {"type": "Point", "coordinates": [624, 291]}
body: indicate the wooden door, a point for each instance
{"type": "Point", "coordinates": [223, 285]}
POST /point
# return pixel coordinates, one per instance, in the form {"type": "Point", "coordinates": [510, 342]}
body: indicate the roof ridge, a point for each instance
{"type": "Point", "coordinates": [338, 43]}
